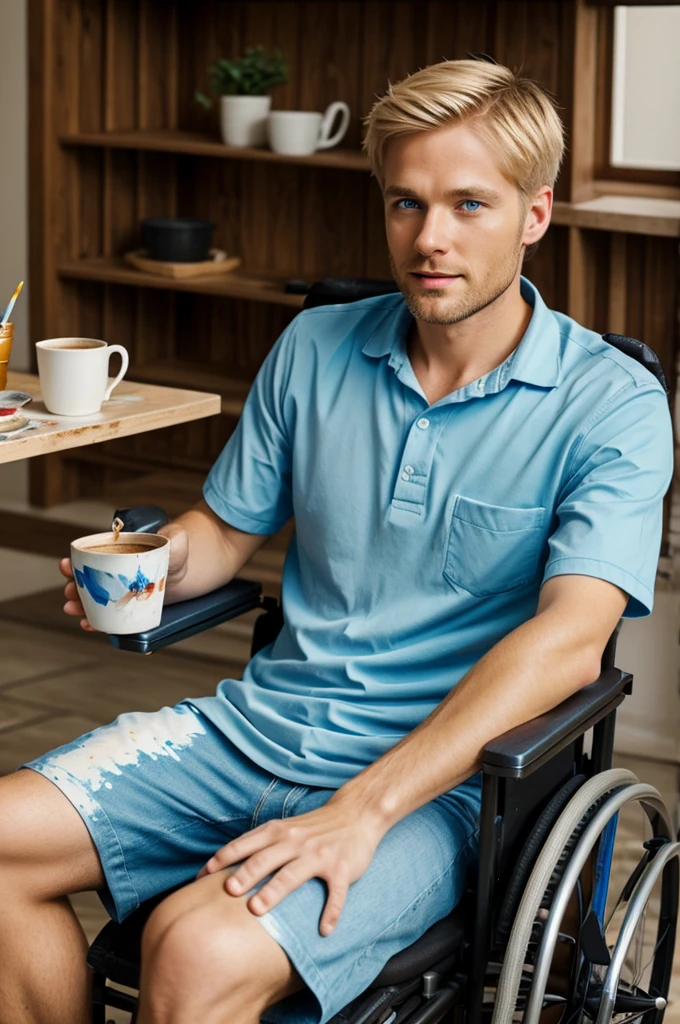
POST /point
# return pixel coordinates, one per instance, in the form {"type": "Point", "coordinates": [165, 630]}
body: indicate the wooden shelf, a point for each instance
{"type": "Point", "coordinates": [635, 215]}
{"type": "Point", "coordinates": [113, 270]}
{"type": "Point", "coordinates": [175, 373]}
{"type": "Point", "coordinates": [203, 145]}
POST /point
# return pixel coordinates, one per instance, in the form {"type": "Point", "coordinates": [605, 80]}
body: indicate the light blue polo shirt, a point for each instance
{"type": "Point", "coordinates": [424, 532]}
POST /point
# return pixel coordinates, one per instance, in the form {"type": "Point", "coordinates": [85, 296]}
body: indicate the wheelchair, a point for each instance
{"type": "Point", "coordinates": [547, 929]}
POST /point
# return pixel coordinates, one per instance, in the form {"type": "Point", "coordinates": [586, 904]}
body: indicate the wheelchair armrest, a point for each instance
{"type": "Point", "coordinates": [186, 618]}
{"type": "Point", "coordinates": [521, 750]}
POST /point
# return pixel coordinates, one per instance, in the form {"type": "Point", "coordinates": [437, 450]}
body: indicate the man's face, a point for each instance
{"type": "Point", "coordinates": [455, 223]}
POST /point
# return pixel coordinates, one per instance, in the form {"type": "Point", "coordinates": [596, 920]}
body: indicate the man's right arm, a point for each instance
{"type": "Point", "coordinates": [205, 552]}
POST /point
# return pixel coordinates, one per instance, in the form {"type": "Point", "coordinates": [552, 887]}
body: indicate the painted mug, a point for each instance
{"type": "Point", "coordinates": [121, 582]}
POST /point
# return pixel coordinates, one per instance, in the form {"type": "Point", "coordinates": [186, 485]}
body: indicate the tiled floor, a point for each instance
{"type": "Point", "coordinates": [57, 682]}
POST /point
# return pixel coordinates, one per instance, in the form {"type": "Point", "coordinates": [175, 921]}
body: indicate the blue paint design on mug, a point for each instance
{"type": "Point", "coordinates": [138, 585]}
{"type": "Point", "coordinates": [104, 586]}
{"type": "Point", "coordinates": [96, 582]}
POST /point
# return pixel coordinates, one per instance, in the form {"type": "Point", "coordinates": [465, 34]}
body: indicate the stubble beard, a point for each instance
{"type": "Point", "coordinates": [494, 285]}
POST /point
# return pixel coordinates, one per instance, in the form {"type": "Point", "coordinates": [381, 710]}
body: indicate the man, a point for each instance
{"type": "Point", "coordinates": [477, 486]}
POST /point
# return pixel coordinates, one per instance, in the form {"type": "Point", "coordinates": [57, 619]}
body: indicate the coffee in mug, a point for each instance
{"type": "Point", "coordinates": [302, 132]}
{"type": "Point", "coordinates": [121, 582]}
{"type": "Point", "coordinates": [116, 548]}
{"type": "Point", "coordinates": [76, 345]}
{"type": "Point", "coordinates": [74, 374]}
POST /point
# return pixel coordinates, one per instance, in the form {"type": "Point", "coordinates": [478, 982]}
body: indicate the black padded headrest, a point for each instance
{"type": "Point", "coordinates": [643, 353]}
{"type": "Point", "coordinates": [346, 289]}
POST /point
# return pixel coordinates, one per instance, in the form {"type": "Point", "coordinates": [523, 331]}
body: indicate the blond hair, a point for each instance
{"type": "Point", "coordinates": [515, 115]}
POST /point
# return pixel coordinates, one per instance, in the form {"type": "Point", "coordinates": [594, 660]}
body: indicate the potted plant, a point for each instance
{"type": "Point", "coordinates": [243, 86]}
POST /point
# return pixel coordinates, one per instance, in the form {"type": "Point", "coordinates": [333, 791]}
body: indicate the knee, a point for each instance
{"type": "Point", "coordinates": [47, 851]}
{"type": "Point", "coordinates": [18, 841]}
{"type": "Point", "coordinates": [192, 953]}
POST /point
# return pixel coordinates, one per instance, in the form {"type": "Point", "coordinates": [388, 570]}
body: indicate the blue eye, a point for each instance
{"type": "Point", "coordinates": [414, 205]}
{"type": "Point", "coordinates": [472, 202]}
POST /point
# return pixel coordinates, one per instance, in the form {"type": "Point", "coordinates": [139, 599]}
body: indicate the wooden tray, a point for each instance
{"type": "Point", "coordinates": [220, 263]}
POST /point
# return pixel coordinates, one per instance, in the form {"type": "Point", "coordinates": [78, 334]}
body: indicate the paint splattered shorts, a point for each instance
{"type": "Point", "coordinates": [161, 792]}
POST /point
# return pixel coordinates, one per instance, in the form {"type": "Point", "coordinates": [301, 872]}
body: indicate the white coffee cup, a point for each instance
{"type": "Point", "coordinates": [121, 593]}
{"type": "Point", "coordinates": [74, 374]}
{"type": "Point", "coordinates": [301, 132]}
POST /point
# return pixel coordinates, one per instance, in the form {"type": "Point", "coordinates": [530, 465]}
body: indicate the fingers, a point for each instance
{"type": "Point", "coordinates": [73, 604]}
{"type": "Point", "coordinates": [337, 894]}
{"type": "Point", "coordinates": [65, 568]}
{"type": "Point", "coordinates": [291, 877]}
{"type": "Point", "coordinates": [179, 547]}
{"type": "Point", "coordinates": [238, 849]}
{"type": "Point", "coordinates": [258, 867]}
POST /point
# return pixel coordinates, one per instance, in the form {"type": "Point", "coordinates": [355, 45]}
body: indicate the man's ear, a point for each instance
{"type": "Point", "coordinates": [537, 216]}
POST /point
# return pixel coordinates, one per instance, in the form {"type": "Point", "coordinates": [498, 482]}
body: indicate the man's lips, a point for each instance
{"type": "Point", "coordinates": [434, 280]}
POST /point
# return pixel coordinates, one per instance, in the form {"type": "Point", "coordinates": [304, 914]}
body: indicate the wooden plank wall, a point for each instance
{"type": "Point", "coordinates": [119, 64]}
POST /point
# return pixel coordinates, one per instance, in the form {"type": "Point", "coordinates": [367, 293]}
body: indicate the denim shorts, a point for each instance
{"type": "Point", "coordinates": [161, 792]}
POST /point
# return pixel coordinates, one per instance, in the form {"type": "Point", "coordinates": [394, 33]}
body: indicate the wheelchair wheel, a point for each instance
{"type": "Point", "coordinates": [593, 938]}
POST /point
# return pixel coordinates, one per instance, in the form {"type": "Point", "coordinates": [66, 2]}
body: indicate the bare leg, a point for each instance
{"type": "Point", "coordinates": [45, 853]}
{"type": "Point", "coordinates": [206, 958]}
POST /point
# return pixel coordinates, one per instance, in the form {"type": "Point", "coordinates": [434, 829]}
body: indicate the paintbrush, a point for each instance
{"type": "Point", "coordinates": [10, 306]}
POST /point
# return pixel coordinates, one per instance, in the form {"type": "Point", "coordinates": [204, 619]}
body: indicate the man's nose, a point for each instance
{"type": "Point", "coordinates": [435, 233]}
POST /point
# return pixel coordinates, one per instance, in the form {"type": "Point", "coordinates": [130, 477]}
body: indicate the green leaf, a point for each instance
{"type": "Point", "coordinates": [253, 74]}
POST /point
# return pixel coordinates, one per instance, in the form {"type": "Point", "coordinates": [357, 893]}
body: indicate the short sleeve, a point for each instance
{"type": "Point", "coordinates": [609, 514]}
{"type": "Point", "coordinates": [249, 486]}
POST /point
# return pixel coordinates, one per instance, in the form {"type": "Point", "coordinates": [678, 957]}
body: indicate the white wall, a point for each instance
{"type": "Point", "coordinates": [14, 199]}
{"type": "Point", "coordinates": [14, 171]}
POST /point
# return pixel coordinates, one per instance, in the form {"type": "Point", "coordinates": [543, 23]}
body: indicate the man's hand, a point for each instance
{"type": "Point", "coordinates": [334, 843]}
{"type": "Point", "coordinates": [177, 567]}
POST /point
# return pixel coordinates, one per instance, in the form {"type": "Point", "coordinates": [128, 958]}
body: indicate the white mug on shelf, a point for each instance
{"type": "Point", "coordinates": [74, 374]}
{"type": "Point", "coordinates": [302, 132]}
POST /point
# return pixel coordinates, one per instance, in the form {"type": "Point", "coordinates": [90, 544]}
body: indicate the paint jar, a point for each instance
{"type": "Point", "coordinates": [6, 338]}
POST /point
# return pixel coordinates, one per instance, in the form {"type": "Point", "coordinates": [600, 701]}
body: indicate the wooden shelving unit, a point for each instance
{"type": "Point", "coordinates": [235, 285]}
{"type": "Point", "coordinates": [638, 215]}
{"type": "Point", "coordinates": [188, 375]}
{"type": "Point", "coordinates": [196, 144]}
{"type": "Point", "coordinates": [634, 215]}
{"type": "Point", "coordinates": [116, 136]}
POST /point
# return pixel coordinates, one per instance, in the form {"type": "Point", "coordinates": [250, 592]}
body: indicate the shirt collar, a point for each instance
{"type": "Point", "coordinates": [536, 360]}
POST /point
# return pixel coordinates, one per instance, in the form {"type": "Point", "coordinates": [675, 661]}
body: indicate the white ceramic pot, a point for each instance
{"type": "Point", "coordinates": [243, 120]}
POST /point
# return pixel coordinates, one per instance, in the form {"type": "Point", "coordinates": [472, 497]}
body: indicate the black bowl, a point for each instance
{"type": "Point", "coordinates": [177, 239]}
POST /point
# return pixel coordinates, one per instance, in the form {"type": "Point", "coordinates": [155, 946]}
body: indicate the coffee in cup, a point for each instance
{"type": "Point", "coordinates": [121, 579]}
{"type": "Point", "coordinates": [118, 548]}
{"type": "Point", "coordinates": [74, 374]}
{"type": "Point", "coordinates": [302, 132]}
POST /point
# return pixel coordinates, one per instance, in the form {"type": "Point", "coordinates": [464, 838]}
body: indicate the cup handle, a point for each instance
{"type": "Point", "coordinates": [339, 107]}
{"type": "Point", "coordinates": [123, 370]}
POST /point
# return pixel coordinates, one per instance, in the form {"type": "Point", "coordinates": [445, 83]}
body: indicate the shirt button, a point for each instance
{"type": "Point", "coordinates": [480, 385]}
{"type": "Point", "coordinates": [405, 476]}
{"type": "Point", "coordinates": [408, 470]}
{"type": "Point", "coordinates": [423, 423]}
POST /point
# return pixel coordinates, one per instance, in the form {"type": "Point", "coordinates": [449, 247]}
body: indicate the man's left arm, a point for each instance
{"type": "Point", "coordinates": [602, 559]}
{"type": "Point", "coordinates": [530, 671]}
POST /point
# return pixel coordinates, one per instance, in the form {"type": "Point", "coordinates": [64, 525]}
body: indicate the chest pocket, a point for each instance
{"type": "Point", "coordinates": [492, 549]}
